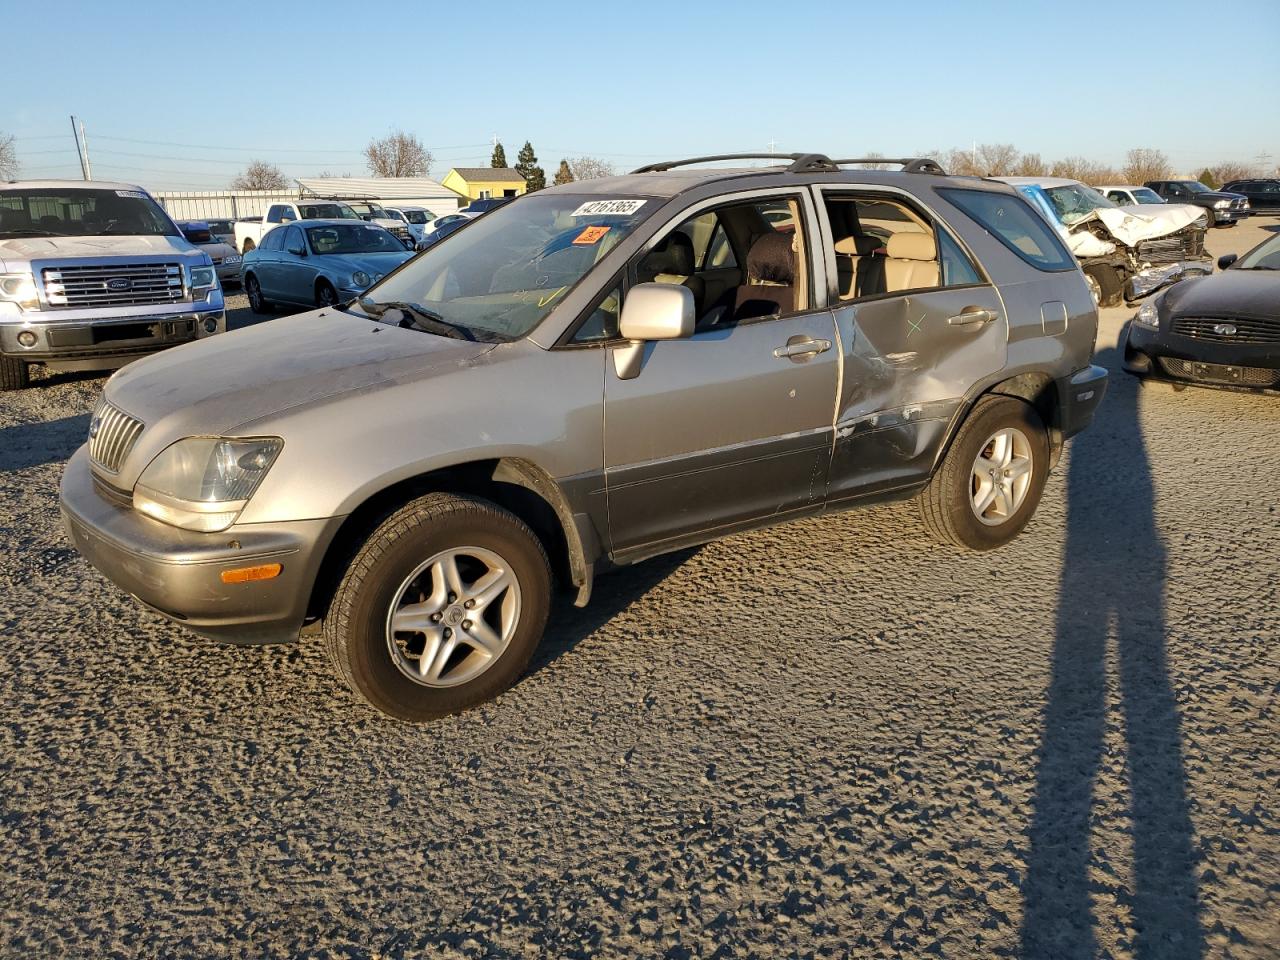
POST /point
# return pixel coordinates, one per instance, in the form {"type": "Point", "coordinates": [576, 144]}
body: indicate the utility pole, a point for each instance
{"type": "Point", "coordinates": [75, 135]}
{"type": "Point", "coordinates": [88, 167]}
{"type": "Point", "coordinates": [772, 144]}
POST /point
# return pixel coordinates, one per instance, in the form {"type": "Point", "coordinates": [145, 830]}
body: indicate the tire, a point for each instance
{"type": "Point", "coordinates": [404, 559]}
{"type": "Point", "coordinates": [248, 245]}
{"type": "Point", "coordinates": [14, 374]}
{"type": "Point", "coordinates": [253, 290]}
{"type": "Point", "coordinates": [326, 296]}
{"type": "Point", "coordinates": [1213, 219]}
{"type": "Point", "coordinates": [947, 504]}
{"type": "Point", "coordinates": [1104, 283]}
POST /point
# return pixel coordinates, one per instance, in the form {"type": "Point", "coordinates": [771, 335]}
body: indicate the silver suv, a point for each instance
{"type": "Point", "coordinates": [589, 376]}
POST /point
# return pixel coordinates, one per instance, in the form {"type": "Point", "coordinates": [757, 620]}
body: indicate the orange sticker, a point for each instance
{"type": "Point", "coordinates": [590, 236]}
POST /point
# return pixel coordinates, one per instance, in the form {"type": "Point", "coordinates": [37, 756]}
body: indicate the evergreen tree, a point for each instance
{"type": "Point", "coordinates": [564, 174]}
{"type": "Point", "coordinates": [499, 156]}
{"type": "Point", "coordinates": [535, 177]}
{"type": "Point", "coordinates": [1207, 178]}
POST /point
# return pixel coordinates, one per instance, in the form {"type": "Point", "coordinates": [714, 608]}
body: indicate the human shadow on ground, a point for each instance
{"type": "Point", "coordinates": [1112, 593]}
{"type": "Point", "coordinates": [26, 445]}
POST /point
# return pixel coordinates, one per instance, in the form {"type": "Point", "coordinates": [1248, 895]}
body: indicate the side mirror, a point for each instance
{"type": "Point", "coordinates": [1227, 260]}
{"type": "Point", "coordinates": [298, 251]}
{"type": "Point", "coordinates": [652, 311]}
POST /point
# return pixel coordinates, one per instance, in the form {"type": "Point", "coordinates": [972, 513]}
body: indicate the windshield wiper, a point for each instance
{"type": "Point", "coordinates": [32, 232]}
{"type": "Point", "coordinates": [416, 315]}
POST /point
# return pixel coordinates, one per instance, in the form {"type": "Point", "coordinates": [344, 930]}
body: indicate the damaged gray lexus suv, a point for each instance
{"type": "Point", "coordinates": [590, 375]}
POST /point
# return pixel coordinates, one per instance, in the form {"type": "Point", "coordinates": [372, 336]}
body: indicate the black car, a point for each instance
{"type": "Point", "coordinates": [485, 205]}
{"type": "Point", "coordinates": [1263, 193]}
{"type": "Point", "coordinates": [1225, 209]}
{"type": "Point", "coordinates": [1217, 331]}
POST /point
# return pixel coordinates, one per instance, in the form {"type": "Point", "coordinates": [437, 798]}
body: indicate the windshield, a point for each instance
{"type": "Point", "coordinates": [418, 216]}
{"type": "Point", "coordinates": [1194, 186]}
{"type": "Point", "coordinates": [1265, 256]}
{"type": "Point", "coordinates": [371, 210]}
{"type": "Point", "coordinates": [1144, 195]}
{"type": "Point", "coordinates": [501, 276]}
{"type": "Point", "coordinates": [71, 212]}
{"type": "Point", "coordinates": [327, 211]}
{"type": "Point", "coordinates": [1075, 201]}
{"type": "Point", "coordinates": [362, 238]}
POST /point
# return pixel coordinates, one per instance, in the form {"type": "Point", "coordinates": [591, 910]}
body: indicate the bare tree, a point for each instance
{"type": "Point", "coordinates": [590, 168]}
{"type": "Point", "coordinates": [997, 159]}
{"type": "Point", "coordinates": [260, 175]}
{"type": "Point", "coordinates": [963, 163]}
{"type": "Point", "coordinates": [8, 157]}
{"type": "Point", "coordinates": [398, 154]}
{"type": "Point", "coordinates": [1084, 170]}
{"type": "Point", "coordinates": [1030, 165]}
{"type": "Point", "coordinates": [1228, 170]}
{"type": "Point", "coordinates": [875, 156]}
{"type": "Point", "coordinates": [1144, 163]}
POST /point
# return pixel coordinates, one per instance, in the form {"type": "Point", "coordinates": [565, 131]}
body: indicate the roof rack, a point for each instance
{"type": "Point", "coordinates": [803, 162]}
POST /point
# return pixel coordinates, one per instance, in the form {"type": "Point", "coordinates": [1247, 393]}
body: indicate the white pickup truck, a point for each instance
{"type": "Point", "coordinates": [250, 230]}
{"type": "Point", "coordinates": [93, 275]}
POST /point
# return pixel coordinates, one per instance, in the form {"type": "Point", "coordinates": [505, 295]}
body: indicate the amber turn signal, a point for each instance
{"type": "Point", "coordinates": [263, 571]}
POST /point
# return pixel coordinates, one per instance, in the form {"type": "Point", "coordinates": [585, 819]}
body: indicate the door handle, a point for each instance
{"type": "Point", "coordinates": [800, 347]}
{"type": "Point", "coordinates": [971, 315]}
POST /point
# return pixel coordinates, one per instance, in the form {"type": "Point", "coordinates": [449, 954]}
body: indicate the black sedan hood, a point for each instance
{"type": "Point", "coordinates": [1232, 293]}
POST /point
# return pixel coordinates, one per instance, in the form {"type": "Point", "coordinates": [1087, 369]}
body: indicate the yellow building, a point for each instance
{"type": "Point", "coordinates": [481, 183]}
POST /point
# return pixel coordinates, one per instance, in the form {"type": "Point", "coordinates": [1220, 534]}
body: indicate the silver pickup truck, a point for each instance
{"type": "Point", "coordinates": [93, 275]}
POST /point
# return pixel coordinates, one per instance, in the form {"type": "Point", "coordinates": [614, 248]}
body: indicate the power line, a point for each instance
{"type": "Point", "coordinates": [212, 146]}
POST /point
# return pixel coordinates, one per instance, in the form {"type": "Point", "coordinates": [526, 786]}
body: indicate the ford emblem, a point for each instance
{"type": "Point", "coordinates": [1225, 329]}
{"type": "Point", "coordinates": [119, 283]}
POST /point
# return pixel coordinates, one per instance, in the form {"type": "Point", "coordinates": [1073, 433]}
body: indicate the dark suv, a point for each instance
{"type": "Point", "coordinates": [1225, 209]}
{"type": "Point", "coordinates": [589, 376]}
{"type": "Point", "coordinates": [1263, 193]}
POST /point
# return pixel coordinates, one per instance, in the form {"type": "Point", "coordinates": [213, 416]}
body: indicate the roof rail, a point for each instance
{"type": "Point", "coordinates": [668, 164]}
{"type": "Point", "coordinates": [909, 164]}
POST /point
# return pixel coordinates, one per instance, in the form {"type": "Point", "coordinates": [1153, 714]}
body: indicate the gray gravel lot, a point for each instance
{"type": "Point", "coordinates": [830, 739]}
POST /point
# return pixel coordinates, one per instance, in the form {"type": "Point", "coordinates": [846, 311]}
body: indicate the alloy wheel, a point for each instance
{"type": "Point", "coordinates": [1001, 476]}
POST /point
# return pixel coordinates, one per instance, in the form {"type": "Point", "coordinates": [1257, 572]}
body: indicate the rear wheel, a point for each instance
{"type": "Point", "coordinates": [440, 609]}
{"type": "Point", "coordinates": [253, 290]}
{"type": "Point", "coordinates": [14, 374]}
{"type": "Point", "coordinates": [992, 477]}
{"type": "Point", "coordinates": [248, 245]}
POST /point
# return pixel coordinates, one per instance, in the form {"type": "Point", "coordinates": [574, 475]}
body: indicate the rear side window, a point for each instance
{"type": "Point", "coordinates": [1011, 221]}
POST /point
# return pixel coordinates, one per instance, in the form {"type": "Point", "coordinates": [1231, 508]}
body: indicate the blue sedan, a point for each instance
{"type": "Point", "coordinates": [319, 263]}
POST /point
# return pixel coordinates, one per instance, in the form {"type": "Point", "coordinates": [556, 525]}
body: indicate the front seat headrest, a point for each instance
{"type": "Point", "coordinates": [859, 246]}
{"type": "Point", "coordinates": [912, 246]}
{"type": "Point", "coordinates": [673, 257]}
{"type": "Point", "coordinates": [771, 260]}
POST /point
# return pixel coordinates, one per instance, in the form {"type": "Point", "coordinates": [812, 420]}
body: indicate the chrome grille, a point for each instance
{"type": "Point", "coordinates": [1246, 329]}
{"type": "Point", "coordinates": [112, 434]}
{"type": "Point", "coordinates": [113, 285]}
{"type": "Point", "coordinates": [1184, 245]}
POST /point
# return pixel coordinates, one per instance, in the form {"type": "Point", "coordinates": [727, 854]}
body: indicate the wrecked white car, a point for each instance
{"type": "Point", "coordinates": [1125, 252]}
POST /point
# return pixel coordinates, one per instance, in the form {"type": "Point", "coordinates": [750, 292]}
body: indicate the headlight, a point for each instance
{"type": "Point", "coordinates": [1222, 204]}
{"type": "Point", "coordinates": [202, 483]}
{"type": "Point", "coordinates": [1148, 315]}
{"type": "Point", "coordinates": [360, 280]}
{"type": "Point", "coordinates": [203, 278]}
{"type": "Point", "coordinates": [18, 288]}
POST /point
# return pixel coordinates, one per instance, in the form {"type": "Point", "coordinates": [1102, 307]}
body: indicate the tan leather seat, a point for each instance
{"type": "Point", "coordinates": [912, 262]}
{"type": "Point", "coordinates": [672, 262]}
{"type": "Point", "coordinates": [852, 269]}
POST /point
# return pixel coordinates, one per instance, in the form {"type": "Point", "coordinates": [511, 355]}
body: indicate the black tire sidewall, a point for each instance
{"type": "Point", "coordinates": [363, 645]}
{"type": "Point", "coordinates": [321, 287]}
{"type": "Point", "coordinates": [14, 374]}
{"type": "Point", "coordinates": [992, 415]}
{"type": "Point", "coordinates": [1110, 285]}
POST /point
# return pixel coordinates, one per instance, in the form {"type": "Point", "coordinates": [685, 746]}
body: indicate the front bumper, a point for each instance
{"type": "Point", "coordinates": [1079, 396]}
{"type": "Point", "coordinates": [177, 573]}
{"type": "Point", "coordinates": [229, 271]}
{"type": "Point", "coordinates": [1157, 277]}
{"type": "Point", "coordinates": [86, 339]}
{"type": "Point", "coordinates": [1164, 355]}
{"type": "Point", "coordinates": [1231, 214]}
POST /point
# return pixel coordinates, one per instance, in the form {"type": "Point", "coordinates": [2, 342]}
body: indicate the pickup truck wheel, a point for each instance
{"type": "Point", "coordinates": [990, 482]}
{"type": "Point", "coordinates": [1104, 283]}
{"type": "Point", "coordinates": [248, 245]}
{"type": "Point", "coordinates": [14, 374]}
{"type": "Point", "coordinates": [326, 296]}
{"type": "Point", "coordinates": [440, 609]}
{"type": "Point", "coordinates": [253, 290]}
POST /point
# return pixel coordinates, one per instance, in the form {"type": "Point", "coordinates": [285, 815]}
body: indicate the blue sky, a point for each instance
{"type": "Point", "coordinates": [183, 95]}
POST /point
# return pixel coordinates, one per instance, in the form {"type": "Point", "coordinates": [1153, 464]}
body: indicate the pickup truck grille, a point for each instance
{"type": "Point", "coordinates": [1184, 245]}
{"type": "Point", "coordinates": [112, 434]}
{"type": "Point", "coordinates": [1242, 329]}
{"type": "Point", "coordinates": [113, 285]}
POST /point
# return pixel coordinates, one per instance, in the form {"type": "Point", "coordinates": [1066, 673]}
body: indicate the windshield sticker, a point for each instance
{"type": "Point", "coordinates": [590, 236]}
{"type": "Point", "coordinates": [132, 194]}
{"type": "Point", "coordinates": [608, 208]}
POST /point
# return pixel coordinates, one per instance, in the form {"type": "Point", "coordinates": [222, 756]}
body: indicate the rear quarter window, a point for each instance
{"type": "Point", "coordinates": [1011, 220]}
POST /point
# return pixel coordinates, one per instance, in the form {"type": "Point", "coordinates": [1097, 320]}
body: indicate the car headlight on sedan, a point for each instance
{"type": "Point", "coordinates": [1148, 315]}
{"type": "Point", "coordinates": [19, 288]}
{"type": "Point", "coordinates": [360, 279]}
{"type": "Point", "coordinates": [202, 483]}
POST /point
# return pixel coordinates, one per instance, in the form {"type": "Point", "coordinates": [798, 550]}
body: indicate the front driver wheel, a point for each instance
{"type": "Point", "coordinates": [992, 477]}
{"type": "Point", "coordinates": [440, 609]}
{"type": "Point", "coordinates": [326, 296]}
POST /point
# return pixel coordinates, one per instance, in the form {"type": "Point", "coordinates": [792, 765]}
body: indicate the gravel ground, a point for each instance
{"type": "Point", "coordinates": [830, 739]}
